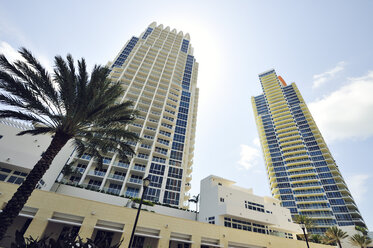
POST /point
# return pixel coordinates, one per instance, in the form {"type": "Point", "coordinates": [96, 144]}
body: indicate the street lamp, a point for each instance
{"type": "Point", "coordinates": [303, 226]}
{"type": "Point", "coordinates": [146, 182]}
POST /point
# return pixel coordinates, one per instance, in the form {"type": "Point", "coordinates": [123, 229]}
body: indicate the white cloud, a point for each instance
{"type": "Point", "coordinates": [357, 186]}
{"type": "Point", "coordinates": [249, 156]}
{"type": "Point", "coordinates": [320, 79]}
{"type": "Point", "coordinates": [12, 55]}
{"type": "Point", "coordinates": [346, 113]}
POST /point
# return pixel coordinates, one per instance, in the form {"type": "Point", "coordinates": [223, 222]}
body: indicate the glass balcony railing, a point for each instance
{"type": "Point", "coordinates": [139, 168]}
{"type": "Point", "coordinates": [97, 173]}
{"type": "Point", "coordinates": [117, 177]}
{"type": "Point", "coordinates": [121, 164]}
{"type": "Point", "coordinates": [112, 191]}
{"type": "Point", "coordinates": [135, 180]}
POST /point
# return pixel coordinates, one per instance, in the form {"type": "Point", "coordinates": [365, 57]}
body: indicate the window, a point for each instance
{"type": "Point", "coordinates": [132, 192]}
{"type": "Point", "coordinates": [94, 184]}
{"type": "Point", "coordinates": [75, 179]}
{"type": "Point", "coordinates": [175, 172]}
{"type": "Point", "coordinates": [211, 220]}
{"type": "Point", "coordinates": [10, 176]}
{"type": "Point", "coordinates": [1, 136]}
{"type": "Point", "coordinates": [171, 197]}
{"type": "Point", "coordinates": [254, 206]}
{"type": "Point", "coordinates": [173, 184]}
{"type": "Point", "coordinates": [157, 169]}
{"type": "Point", "coordinates": [155, 181]}
{"type": "Point", "coordinates": [152, 194]}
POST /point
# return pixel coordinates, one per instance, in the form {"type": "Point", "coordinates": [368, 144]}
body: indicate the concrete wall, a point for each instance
{"type": "Point", "coordinates": [120, 201]}
{"type": "Point", "coordinates": [48, 203]}
{"type": "Point", "coordinates": [23, 152]}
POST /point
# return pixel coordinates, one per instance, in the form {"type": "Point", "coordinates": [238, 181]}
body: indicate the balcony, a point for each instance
{"type": "Point", "coordinates": [111, 191]}
{"type": "Point", "coordinates": [186, 197]}
{"type": "Point", "coordinates": [90, 186]}
{"type": "Point", "coordinates": [121, 164]}
{"type": "Point", "coordinates": [136, 181]}
{"type": "Point", "coordinates": [116, 177]}
{"type": "Point", "coordinates": [96, 173]}
{"type": "Point", "coordinates": [78, 169]}
{"type": "Point", "coordinates": [188, 179]}
{"type": "Point", "coordinates": [358, 221]}
{"type": "Point", "coordinates": [139, 168]}
{"type": "Point", "coordinates": [86, 157]}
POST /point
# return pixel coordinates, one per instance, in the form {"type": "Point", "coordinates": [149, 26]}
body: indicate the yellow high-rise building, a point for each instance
{"type": "Point", "coordinates": [301, 170]}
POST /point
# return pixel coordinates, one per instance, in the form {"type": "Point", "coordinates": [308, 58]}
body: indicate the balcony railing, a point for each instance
{"type": "Point", "coordinates": [121, 164]}
{"type": "Point", "coordinates": [135, 180]}
{"type": "Point", "coordinates": [115, 176]}
{"type": "Point", "coordinates": [97, 173]}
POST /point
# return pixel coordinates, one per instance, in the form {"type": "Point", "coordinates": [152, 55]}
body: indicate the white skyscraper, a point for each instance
{"type": "Point", "coordinates": [159, 74]}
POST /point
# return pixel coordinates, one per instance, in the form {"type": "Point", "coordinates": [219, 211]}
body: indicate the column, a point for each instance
{"type": "Point", "coordinates": [196, 241]}
{"type": "Point", "coordinates": [38, 224]}
{"type": "Point", "coordinates": [164, 241]}
{"type": "Point", "coordinates": [87, 228]}
{"type": "Point", "coordinates": [224, 241]}
{"type": "Point", "coordinates": [126, 236]}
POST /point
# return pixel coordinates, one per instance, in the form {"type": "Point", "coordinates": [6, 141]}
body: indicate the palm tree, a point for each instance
{"type": "Point", "coordinates": [360, 240]}
{"type": "Point", "coordinates": [303, 219]}
{"type": "Point", "coordinates": [316, 238]}
{"type": "Point", "coordinates": [195, 199]}
{"type": "Point", "coordinates": [67, 170]}
{"type": "Point", "coordinates": [334, 234]}
{"type": "Point", "coordinates": [71, 105]}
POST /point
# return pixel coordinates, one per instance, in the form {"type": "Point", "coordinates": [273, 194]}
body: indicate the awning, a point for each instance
{"type": "Point", "coordinates": [64, 222]}
{"type": "Point", "coordinates": [148, 235]}
{"type": "Point", "coordinates": [27, 215]}
{"type": "Point", "coordinates": [213, 245]}
{"type": "Point", "coordinates": [108, 229]}
{"type": "Point", "coordinates": [23, 215]}
{"type": "Point", "coordinates": [182, 240]}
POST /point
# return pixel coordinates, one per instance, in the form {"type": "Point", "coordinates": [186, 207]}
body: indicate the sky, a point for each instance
{"type": "Point", "coordinates": [323, 46]}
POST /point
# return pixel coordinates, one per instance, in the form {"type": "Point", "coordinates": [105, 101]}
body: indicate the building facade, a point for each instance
{"type": "Point", "coordinates": [18, 154]}
{"type": "Point", "coordinates": [159, 74]}
{"type": "Point", "coordinates": [225, 204]}
{"type": "Point", "coordinates": [301, 170]}
{"type": "Point", "coordinates": [50, 214]}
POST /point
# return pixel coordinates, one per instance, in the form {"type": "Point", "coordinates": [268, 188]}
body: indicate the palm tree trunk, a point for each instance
{"type": "Point", "coordinates": [339, 244]}
{"type": "Point", "coordinates": [20, 197]}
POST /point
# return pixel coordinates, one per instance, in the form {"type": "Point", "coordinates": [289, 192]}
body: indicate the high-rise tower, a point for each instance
{"type": "Point", "coordinates": [301, 170]}
{"type": "Point", "coordinates": [159, 74]}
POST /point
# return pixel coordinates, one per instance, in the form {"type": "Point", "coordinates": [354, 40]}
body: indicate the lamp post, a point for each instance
{"type": "Point", "coordinates": [303, 226]}
{"type": "Point", "coordinates": [146, 182]}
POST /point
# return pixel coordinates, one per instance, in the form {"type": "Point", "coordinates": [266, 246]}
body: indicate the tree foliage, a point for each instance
{"type": "Point", "coordinates": [67, 240]}
{"type": "Point", "coordinates": [360, 240]}
{"type": "Point", "coordinates": [334, 234]}
{"type": "Point", "coordinates": [69, 105]}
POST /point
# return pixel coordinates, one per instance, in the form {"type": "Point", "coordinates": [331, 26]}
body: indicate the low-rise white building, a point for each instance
{"type": "Point", "coordinates": [223, 203]}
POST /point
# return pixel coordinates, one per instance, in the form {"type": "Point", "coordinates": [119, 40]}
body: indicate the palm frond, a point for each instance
{"type": "Point", "coordinates": [37, 131]}
{"type": "Point", "coordinates": [32, 76]}
{"type": "Point", "coordinates": [66, 81]}
{"type": "Point", "coordinates": [18, 115]}
{"type": "Point", "coordinates": [45, 80]}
